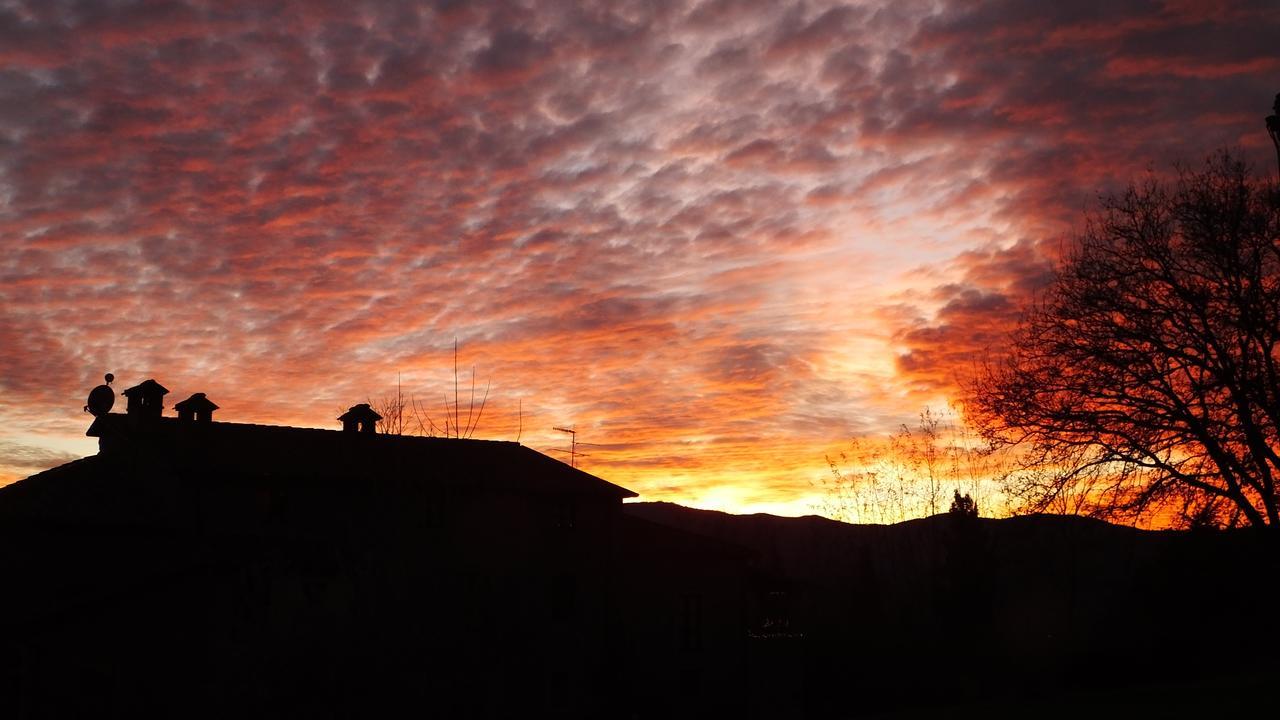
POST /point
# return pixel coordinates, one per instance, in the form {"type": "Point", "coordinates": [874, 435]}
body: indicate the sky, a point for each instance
{"type": "Point", "coordinates": [718, 238]}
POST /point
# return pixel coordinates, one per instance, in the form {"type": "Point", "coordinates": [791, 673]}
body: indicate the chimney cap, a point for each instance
{"type": "Point", "coordinates": [358, 413]}
{"type": "Point", "coordinates": [145, 388]}
{"type": "Point", "coordinates": [196, 403]}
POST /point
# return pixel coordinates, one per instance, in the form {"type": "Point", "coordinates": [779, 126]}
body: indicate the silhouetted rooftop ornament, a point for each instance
{"type": "Point", "coordinates": [360, 418]}
{"type": "Point", "coordinates": [197, 407]}
{"type": "Point", "coordinates": [101, 398]}
{"type": "Point", "coordinates": [146, 398]}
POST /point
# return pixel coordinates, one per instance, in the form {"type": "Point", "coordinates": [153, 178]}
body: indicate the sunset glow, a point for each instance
{"type": "Point", "coordinates": [719, 239]}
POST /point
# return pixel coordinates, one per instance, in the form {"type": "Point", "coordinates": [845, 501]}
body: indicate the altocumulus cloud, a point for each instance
{"type": "Point", "coordinates": [726, 233]}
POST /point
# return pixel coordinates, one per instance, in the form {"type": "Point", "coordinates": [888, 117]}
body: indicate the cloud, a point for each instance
{"type": "Point", "coordinates": [658, 220]}
{"type": "Point", "coordinates": [975, 312]}
{"type": "Point", "coordinates": [31, 457]}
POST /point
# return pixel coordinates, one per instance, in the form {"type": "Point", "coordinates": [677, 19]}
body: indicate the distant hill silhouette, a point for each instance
{"type": "Point", "coordinates": [936, 611]}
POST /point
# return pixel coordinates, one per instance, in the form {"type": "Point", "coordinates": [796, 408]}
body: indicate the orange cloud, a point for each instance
{"type": "Point", "coordinates": [718, 236]}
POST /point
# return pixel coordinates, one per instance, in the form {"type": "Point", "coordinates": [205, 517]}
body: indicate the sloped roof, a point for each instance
{"type": "Point", "coordinates": [360, 412]}
{"type": "Point", "coordinates": [247, 450]}
{"type": "Point", "coordinates": [196, 403]}
{"type": "Point", "coordinates": [147, 387]}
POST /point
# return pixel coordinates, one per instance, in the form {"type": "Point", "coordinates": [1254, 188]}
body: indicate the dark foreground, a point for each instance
{"type": "Point", "coordinates": [237, 570]}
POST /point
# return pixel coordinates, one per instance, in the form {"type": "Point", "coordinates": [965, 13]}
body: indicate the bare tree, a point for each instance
{"type": "Point", "coordinates": [392, 409]}
{"type": "Point", "coordinates": [403, 414]}
{"type": "Point", "coordinates": [1145, 382]}
{"type": "Point", "coordinates": [908, 475]}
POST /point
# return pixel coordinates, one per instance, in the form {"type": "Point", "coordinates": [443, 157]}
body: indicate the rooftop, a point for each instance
{"type": "Point", "coordinates": [245, 449]}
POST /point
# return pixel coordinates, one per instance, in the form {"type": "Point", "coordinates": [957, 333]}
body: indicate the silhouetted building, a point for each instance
{"type": "Point", "coordinates": [201, 567]}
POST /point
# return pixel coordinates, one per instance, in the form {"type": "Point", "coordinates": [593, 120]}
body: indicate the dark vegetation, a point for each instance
{"type": "Point", "coordinates": [911, 474]}
{"type": "Point", "coordinates": [1031, 615]}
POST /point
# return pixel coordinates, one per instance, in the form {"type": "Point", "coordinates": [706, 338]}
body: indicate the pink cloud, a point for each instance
{"type": "Point", "coordinates": [656, 220]}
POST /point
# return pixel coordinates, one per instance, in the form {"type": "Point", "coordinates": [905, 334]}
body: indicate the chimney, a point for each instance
{"type": "Point", "coordinates": [360, 418]}
{"type": "Point", "coordinates": [197, 408]}
{"type": "Point", "coordinates": [146, 399]}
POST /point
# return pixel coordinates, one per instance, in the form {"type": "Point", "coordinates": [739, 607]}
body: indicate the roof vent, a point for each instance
{"type": "Point", "coordinates": [146, 398]}
{"type": "Point", "coordinates": [197, 407]}
{"type": "Point", "coordinates": [360, 418]}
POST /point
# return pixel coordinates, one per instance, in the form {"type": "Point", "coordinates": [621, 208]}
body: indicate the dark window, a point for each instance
{"type": "Point", "coordinates": [433, 512]}
{"type": "Point", "coordinates": [566, 514]}
{"type": "Point", "coordinates": [777, 612]}
{"type": "Point", "coordinates": [278, 510]}
{"type": "Point", "coordinates": [436, 507]}
{"type": "Point", "coordinates": [564, 597]}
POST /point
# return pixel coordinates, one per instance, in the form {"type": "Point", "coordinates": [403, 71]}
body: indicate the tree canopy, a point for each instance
{"type": "Point", "coordinates": [1145, 381]}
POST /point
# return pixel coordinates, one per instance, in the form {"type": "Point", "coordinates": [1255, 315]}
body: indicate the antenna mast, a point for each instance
{"type": "Point", "coordinates": [573, 444]}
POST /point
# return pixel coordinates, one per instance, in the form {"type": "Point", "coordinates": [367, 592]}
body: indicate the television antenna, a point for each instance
{"type": "Point", "coordinates": [573, 444]}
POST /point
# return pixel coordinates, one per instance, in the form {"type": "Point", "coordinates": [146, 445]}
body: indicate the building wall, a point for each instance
{"type": "Point", "coordinates": [207, 592]}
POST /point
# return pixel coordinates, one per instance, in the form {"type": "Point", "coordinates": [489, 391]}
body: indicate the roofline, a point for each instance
{"type": "Point", "coordinates": [101, 422]}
